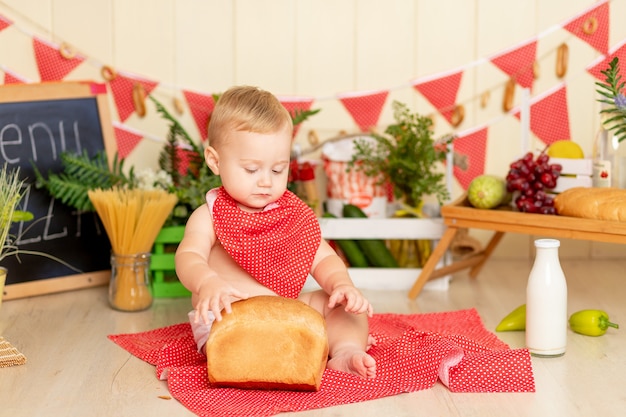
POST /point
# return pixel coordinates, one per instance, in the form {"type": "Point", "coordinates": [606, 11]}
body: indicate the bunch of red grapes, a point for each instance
{"type": "Point", "coordinates": [529, 178]}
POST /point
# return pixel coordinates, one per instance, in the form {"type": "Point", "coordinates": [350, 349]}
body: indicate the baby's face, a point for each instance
{"type": "Point", "coordinates": [254, 167]}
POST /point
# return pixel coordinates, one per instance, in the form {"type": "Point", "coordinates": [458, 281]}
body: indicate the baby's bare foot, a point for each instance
{"type": "Point", "coordinates": [354, 361]}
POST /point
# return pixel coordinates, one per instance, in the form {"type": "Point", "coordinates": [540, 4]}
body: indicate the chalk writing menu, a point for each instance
{"type": "Point", "coordinates": [38, 132]}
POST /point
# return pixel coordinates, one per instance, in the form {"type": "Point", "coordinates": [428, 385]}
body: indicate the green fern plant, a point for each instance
{"type": "Point", "coordinates": [169, 158]}
{"type": "Point", "coordinates": [191, 187]}
{"type": "Point", "coordinates": [80, 174]}
{"type": "Point", "coordinates": [614, 100]}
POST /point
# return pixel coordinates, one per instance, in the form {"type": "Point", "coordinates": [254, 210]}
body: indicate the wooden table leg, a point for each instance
{"type": "Point", "coordinates": [434, 258]}
{"type": "Point", "coordinates": [495, 239]}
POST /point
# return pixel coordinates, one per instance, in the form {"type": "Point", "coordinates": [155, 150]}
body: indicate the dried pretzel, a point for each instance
{"type": "Point", "coordinates": [139, 99]}
{"type": "Point", "coordinates": [536, 70]}
{"type": "Point", "coordinates": [107, 73]}
{"type": "Point", "coordinates": [590, 26]}
{"type": "Point", "coordinates": [67, 51]}
{"type": "Point", "coordinates": [509, 95]}
{"type": "Point", "coordinates": [562, 58]}
{"type": "Point", "coordinates": [313, 138]}
{"type": "Point", "coordinates": [457, 115]}
{"type": "Point", "coordinates": [178, 105]}
{"type": "Point", "coordinates": [484, 99]}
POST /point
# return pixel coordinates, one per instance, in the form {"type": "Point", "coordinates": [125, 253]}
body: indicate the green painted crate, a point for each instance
{"type": "Point", "coordinates": [165, 283]}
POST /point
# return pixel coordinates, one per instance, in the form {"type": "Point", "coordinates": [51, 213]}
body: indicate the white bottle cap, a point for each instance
{"type": "Point", "coordinates": [547, 243]}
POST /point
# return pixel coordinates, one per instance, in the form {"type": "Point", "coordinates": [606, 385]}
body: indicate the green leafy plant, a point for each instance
{"type": "Point", "coordinates": [612, 92]}
{"type": "Point", "coordinates": [80, 174]}
{"type": "Point", "coordinates": [405, 156]}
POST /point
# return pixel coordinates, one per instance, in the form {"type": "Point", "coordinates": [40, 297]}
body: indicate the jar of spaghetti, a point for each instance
{"type": "Point", "coordinates": [130, 287]}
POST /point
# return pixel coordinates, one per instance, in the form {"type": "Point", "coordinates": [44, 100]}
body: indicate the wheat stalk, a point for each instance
{"type": "Point", "coordinates": [10, 196]}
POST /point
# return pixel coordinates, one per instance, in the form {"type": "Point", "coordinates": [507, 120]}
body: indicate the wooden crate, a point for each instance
{"type": "Point", "coordinates": [165, 283]}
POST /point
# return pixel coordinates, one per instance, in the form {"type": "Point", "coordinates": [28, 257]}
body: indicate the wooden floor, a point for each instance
{"type": "Point", "coordinates": [74, 370]}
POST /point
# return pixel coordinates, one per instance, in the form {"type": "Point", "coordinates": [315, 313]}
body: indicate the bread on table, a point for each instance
{"type": "Point", "coordinates": [268, 342]}
{"type": "Point", "coordinates": [592, 203]}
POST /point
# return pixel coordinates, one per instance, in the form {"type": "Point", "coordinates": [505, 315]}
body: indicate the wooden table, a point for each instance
{"type": "Point", "coordinates": [459, 215]}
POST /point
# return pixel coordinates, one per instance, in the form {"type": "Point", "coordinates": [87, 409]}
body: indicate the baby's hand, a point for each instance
{"type": "Point", "coordinates": [214, 298]}
{"type": "Point", "coordinates": [352, 298]}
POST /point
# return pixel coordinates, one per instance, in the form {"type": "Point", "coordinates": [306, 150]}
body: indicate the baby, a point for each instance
{"type": "Point", "coordinates": [254, 237]}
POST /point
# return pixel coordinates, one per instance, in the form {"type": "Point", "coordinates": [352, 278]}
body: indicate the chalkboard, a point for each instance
{"type": "Point", "coordinates": [38, 122]}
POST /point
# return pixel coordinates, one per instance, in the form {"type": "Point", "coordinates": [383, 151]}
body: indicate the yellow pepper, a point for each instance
{"type": "Point", "coordinates": [590, 322]}
{"type": "Point", "coordinates": [515, 320]}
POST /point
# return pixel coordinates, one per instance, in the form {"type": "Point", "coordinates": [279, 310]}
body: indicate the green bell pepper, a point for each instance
{"type": "Point", "coordinates": [515, 320]}
{"type": "Point", "coordinates": [590, 322]}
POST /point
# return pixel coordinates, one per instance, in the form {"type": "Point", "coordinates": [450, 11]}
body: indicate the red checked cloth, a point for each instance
{"type": "Point", "coordinates": [412, 353]}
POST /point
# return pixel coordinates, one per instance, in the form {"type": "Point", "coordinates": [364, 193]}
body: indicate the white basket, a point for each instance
{"type": "Point", "coordinates": [384, 278]}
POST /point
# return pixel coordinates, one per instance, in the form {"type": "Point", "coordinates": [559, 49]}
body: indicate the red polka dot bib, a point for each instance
{"type": "Point", "coordinates": [275, 246]}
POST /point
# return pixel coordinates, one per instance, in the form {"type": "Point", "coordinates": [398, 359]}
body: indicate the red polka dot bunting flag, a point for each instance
{"type": "Point", "coordinates": [122, 88]}
{"type": "Point", "coordinates": [4, 23]}
{"type": "Point", "coordinates": [470, 149]}
{"type": "Point", "coordinates": [201, 106]}
{"type": "Point", "coordinates": [127, 139]}
{"type": "Point", "coordinates": [518, 63]}
{"type": "Point", "coordinates": [12, 78]}
{"type": "Point", "coordinates": [592, 27]}
{"type": "Point", "coordinates": [441, 92]}
{"type": "Point", "coordinates": [549, 115]}
{"type": "Point", "coordinates": [295, 104]}
{"type": "Point", "coordinates": [365, 108]}
{"type": "Point", "coordinates": [602, 63]}
{"type": "Point", "coordinates": [53, 62]}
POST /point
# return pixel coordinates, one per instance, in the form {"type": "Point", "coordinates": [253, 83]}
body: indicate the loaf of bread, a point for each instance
{"type": "Point", "coordinates": [592, 203]}
{"type": "Point", "coordinates": [268, 342]}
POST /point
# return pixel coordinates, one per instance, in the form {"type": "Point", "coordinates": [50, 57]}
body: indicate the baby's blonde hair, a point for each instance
{"type": "Point", "coordinates": [245, 108]}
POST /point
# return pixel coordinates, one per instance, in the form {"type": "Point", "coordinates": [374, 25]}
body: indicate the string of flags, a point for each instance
{"type": "Point", "coordinates": [549, 115]}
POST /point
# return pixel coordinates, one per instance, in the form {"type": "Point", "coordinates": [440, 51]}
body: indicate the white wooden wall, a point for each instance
{"type": "Point", "coordinates": [317, 48]}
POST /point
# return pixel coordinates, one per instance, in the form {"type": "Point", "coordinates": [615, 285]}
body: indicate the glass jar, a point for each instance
{"type": "Point", "coordinates": [609, 160]}
{"type": "Point", "coordinates": [130, 286]}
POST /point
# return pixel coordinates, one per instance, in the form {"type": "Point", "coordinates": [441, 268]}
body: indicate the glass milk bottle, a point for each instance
{"type": "Point", "coordinates": [546, 302]}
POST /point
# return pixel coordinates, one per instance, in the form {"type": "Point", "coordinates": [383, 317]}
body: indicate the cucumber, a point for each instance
{"type": "Point", "coordinates": [350, 249]}
{"type": "Point", "coordinates": [375, 250]}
